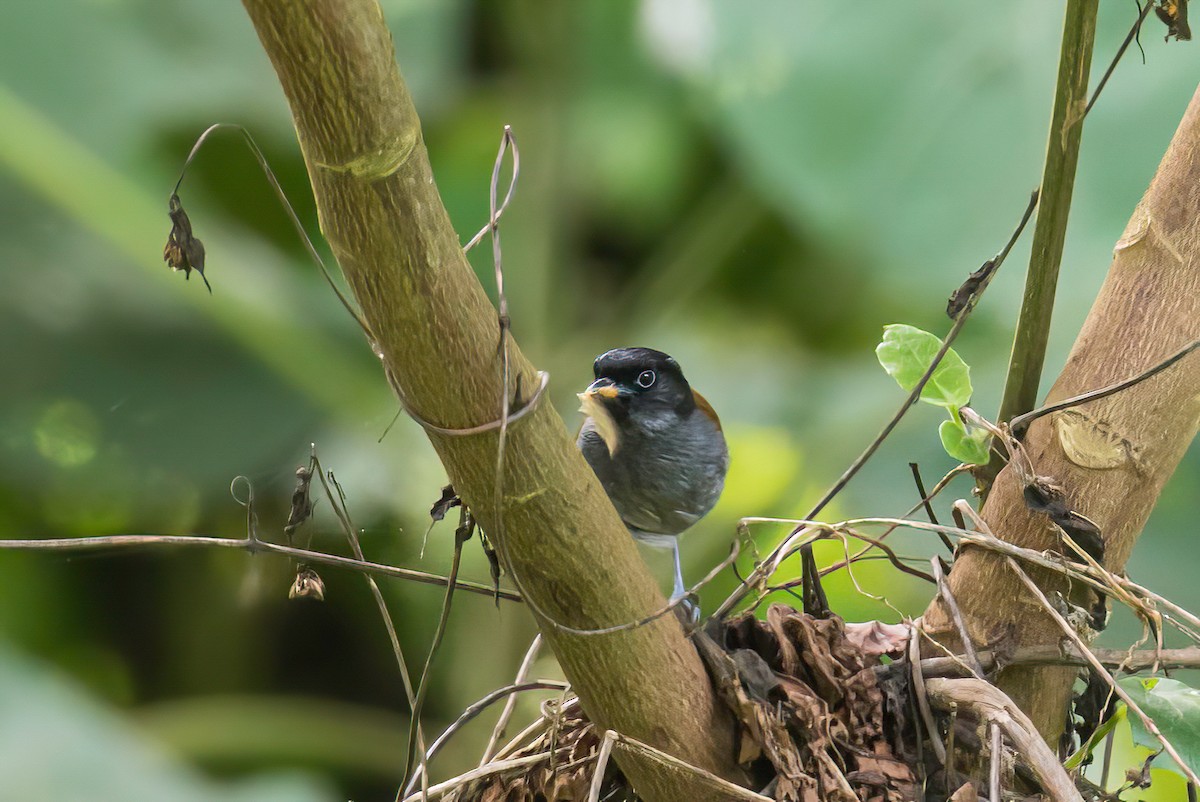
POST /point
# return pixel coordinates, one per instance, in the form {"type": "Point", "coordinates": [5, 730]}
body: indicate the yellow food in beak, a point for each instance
{"type": "Point", "coordinates": [602, 419]}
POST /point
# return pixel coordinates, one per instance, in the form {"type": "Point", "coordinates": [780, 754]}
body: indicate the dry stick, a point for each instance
{"type": "Point", "coordinates": [994, 774]}
{"type": "Point", "coordinates": [1129, 38]}
{"type": "Point", "coordinates": [825, 530]}
{"type": "Point", "coordinates": [1151, 618]}
{"type": "Point", "coordinates": [506, 140]}
{"type": "Point", "coordinates": [938, 488]}
{"type": "Point", "coordinates": [1020, 459]}
{"type": "Point", "coordinates": [1164, 602]}
{"type": "Point", "coordinates": [493, 224]}
{"type": "Point", "coordinates": [1070, 632]}
{"type": "Point", "coordinates": [798, 540]}
{"type": "Point", "coordinates": [1120, 659]}
{"type": "Point", "coordinates": [807, 532]}
{"type": "Point", "coordinates": [568, 704]}
{"type": "Point", "coordinates": [1021, 422]}
{"type": "Point", "coordinates": [1108, 753]}
{"type": "Point", "coordinates": [956, 614]}
{"type": "Point", "coordinates": [511, 703]}
{"type": "Point", "coordinates": [252, 545]}
{"type": "Point", "coordinates": [951, 771]}
{"type": "Point", "coordinates": [925, 500]}
{"type": "Point", "coordinates": [989, 703]}
{"type": "Point", "coordinates": [844, 563]}
{"type": "Point", "coordinates": [606, 746]}
{"type": "Point", "coordinates": [891, 555]}
{"type": "Point", "coordinates": [414, 731]}
{"type": "Point", "coordinates": [473, 710]}
{"type": "Point", "coordinates": [918, 682]}
{"type": "Point", "coordinates": [251, 515]}
{"type": "Point", "coordinates": [343, 515]}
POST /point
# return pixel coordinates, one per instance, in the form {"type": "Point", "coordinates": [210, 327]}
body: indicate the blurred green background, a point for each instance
{"type": "Point", "coordinates": [757, 190]}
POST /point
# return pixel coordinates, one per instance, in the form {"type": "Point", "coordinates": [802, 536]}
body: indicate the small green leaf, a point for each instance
{"type": "Point", "coordinates": [1175, 709]}
{"type": "Point", "coordinates": [964, 446]}
{"type": "Point", "coordinates": [906, 353]}
{"type": "Point", "coordinates": [1101, 732]}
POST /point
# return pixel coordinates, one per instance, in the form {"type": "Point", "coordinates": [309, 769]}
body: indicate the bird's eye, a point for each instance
{"type": "Point", "coordinates": [646, 379]}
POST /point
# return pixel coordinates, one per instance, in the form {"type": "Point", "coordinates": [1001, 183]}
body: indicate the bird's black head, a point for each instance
{"type": "Point", "coordinates": [640, 379]}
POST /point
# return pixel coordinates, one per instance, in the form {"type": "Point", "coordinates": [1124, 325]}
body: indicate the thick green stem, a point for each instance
{"type": "Point", "coordinates": [1049, 234]}
{"type": "Point", "coordinates": [436, 335]}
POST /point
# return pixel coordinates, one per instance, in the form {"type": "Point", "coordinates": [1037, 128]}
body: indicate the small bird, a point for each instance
{"type": "Point", "coordinates": [655, 444]}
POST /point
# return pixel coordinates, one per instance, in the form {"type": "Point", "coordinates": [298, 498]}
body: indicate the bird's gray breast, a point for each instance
{"type": "Point", "coordinates": [666, 474]}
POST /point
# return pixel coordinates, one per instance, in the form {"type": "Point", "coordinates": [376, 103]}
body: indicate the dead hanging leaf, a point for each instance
{"type": "Point", "coordinates": [493, 559]}
{"type": "Point", "coordinates": [961, 297]}
{"type": "Point", "coordinates": [813, 593]}
{"type": "Point", "coordinates": [183, 251]}
{"type": "Point", "coordinates": [307, 585]}
{"type": "Point", "coordinates": [1173, 14]}
{"type": "Point", "coordinates": [302, 504]}
{"type": "Point", "coordinates": [443, 505]}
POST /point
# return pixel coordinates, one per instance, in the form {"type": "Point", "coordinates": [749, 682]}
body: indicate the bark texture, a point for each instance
{"type": "Point", "coordinates": [436, 334]}
{"type": "Point", "coordinates": [1112, 456]}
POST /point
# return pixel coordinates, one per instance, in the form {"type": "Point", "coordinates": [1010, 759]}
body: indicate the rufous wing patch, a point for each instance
{"type": "Point", "coordinates": [705, 407]}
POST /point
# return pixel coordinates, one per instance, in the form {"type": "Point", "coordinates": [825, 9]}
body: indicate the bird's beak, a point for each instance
{"type": "Point", "coordinates": [604, 388]}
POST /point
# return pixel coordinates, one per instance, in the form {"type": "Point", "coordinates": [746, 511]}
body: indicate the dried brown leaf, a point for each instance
{"type": "Point", "coordinates": [965, 794]}
{"type": "Point", "coordinates": [875, 638]}
{"type": "Point", "coordinates": [183, 251]}
{"type": "Point", "coordinates": [822, 723]}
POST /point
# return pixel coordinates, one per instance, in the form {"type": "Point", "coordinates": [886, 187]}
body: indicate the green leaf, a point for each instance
{"type": "Point", "coordinates": [1101, 732]}
{"type": "Point", "coordinates": [906, 353]}
{"type": "Point", "coordinates": [964, 446]}
{"type": "Point", "coordinates": [1175, 709]}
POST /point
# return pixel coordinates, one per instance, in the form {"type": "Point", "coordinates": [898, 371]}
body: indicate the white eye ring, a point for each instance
{"type": "Point", "coordinates": [646, 379]}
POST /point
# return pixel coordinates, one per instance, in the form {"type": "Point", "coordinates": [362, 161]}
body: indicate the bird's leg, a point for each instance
{"type": "Point", "coordinates": [688, 611]}
{"type": "Point", "coordinates": [679, 588]}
